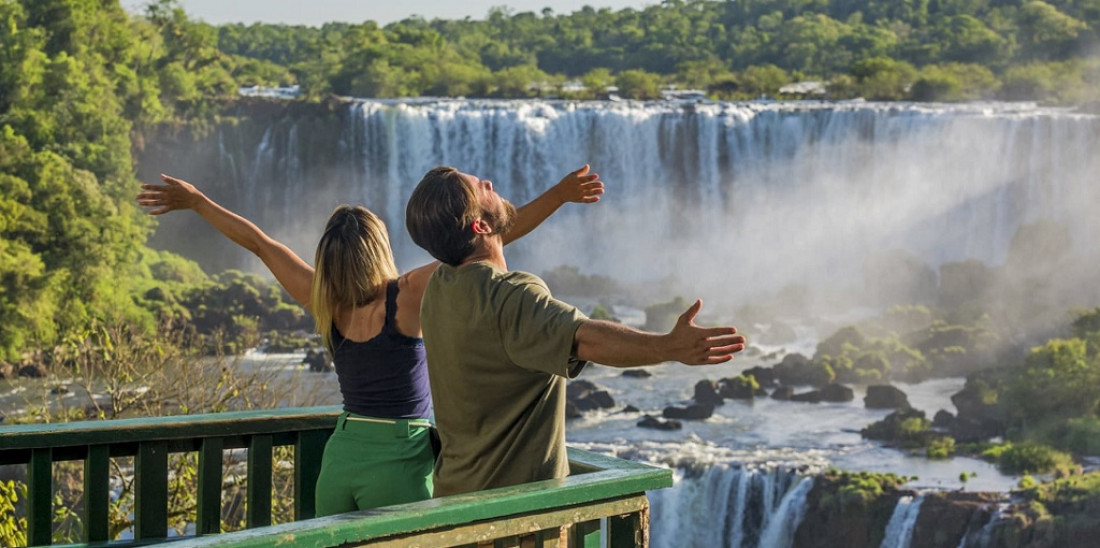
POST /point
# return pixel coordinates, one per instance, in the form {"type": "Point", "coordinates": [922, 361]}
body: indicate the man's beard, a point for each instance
{"type": "Point", "coordinates": [502, 220]}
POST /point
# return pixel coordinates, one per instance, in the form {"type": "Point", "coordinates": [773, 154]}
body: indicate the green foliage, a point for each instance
{"type": "Point", "coordinates": [1059, 380]}
{"type": "Point", "coordinates": [941, 448]}
{"type": "Point", "coordinates": [1029, 458]}
{"type": "Point", "coordinates": [13, 530]}
{"type": "Point", "coordinates": [857, 488]}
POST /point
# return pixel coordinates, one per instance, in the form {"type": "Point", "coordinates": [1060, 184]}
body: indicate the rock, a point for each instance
{"type": "Point", "coordinates": [599, 399]}
{"type": "Point", "coordinates": [885, 396]}
{"type": "Point", "coordinates": [629, 409]}
{"type": "Point", "coordinates": [813, 396]}
{"type": "Point", "coordinates": [579, 388]}
{"type": "Point", "coordinates": [943, 419]}
{"type": "Point", "coordinates": [764, 376]}
{"type": "Point", "coordinates": [637, 373]}
{"type": "Point", "coordinates": [796, 369]}
{"type": "Point", "coordinates": [317, 360]}
{"type": "Point", "coordinates": [650, 421]}
{"type": "Point", "coordinates": [696, 411]}
{"type": "Point", "coordinates": [783, 393]}
{"type": "Point", "coordinates": [7, 370]}
{"type": "Point", "coordinates": [571, 411]}
{"type": "Point", "coordinates": [738, 388]}
{"type": "Point", "coordinates": [836, 392]}
{"type": "Point", "coordinates": [59, 389]}
{"type": "Point", "coordinates": [32, 371]}
{"type": "Point", "coordinates": [979, 415]}
{"type": "Point", "coordinates": [950, 515]}
{"type": "Point", "coordinates": [706, 392]}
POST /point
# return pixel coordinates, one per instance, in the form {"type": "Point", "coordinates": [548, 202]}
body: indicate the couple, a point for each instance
{"type": "Point", "coordinates": [500, 346]}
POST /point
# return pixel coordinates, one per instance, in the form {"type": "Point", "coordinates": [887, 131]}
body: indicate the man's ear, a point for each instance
{"type": "Point", "coordinates": [480, 227]}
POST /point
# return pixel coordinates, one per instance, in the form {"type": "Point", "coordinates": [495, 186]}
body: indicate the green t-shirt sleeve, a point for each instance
{"type": "Point", "coordinates": [538, 330]}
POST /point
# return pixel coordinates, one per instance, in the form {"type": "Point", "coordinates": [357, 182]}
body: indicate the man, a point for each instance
{"type": "Point", "coordinates": [500, 347]}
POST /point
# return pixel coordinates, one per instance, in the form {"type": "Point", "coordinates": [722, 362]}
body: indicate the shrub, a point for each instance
{"type": "Point", "coordinates": [1032, 458]}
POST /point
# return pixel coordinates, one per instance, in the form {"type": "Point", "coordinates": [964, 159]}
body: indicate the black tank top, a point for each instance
{"type": "Point", "coordinates": [386, 376]}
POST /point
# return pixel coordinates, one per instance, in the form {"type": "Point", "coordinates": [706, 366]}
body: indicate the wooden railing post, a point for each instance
{"type": "Point", "coordinates": [258, 513]}
{"type": "Point", "coordinates": [308, 450]}
{"type": "Point", "coordinates": [97, 493]}
{"type": "Point", "coordinates": [40, 497]}
{"type": "Point", "coordinates": [209, 512]}
{"type": "Point", "coordinates": [151, 490]}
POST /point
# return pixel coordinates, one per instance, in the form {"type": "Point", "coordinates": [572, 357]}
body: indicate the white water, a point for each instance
{"type": "Point", "coordinates": [748, 196]}
{"type": "Point", "coordinates": [899, 531]}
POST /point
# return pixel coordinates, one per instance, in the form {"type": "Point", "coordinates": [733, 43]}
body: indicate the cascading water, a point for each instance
{"type": "Point", "coordinates": [899, 531]}
{"type": "Point", "coordinates": [718, 195]}
{"type": "Point", "coordinates": [729, 506]}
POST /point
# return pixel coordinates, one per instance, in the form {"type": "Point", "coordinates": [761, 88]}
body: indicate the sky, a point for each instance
{"type": "Point", "coordinates": [317, 12]}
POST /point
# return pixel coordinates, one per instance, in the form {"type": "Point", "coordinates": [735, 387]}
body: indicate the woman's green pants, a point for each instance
{"type": "Point", "coordinates": [370, 462]}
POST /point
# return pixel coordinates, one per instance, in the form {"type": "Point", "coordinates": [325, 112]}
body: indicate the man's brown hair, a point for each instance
{"type": "Point", "coordinates": [440, 215]}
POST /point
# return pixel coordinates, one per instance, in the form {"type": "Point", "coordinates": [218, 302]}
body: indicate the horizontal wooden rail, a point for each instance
{"type": "Point", "coordinates": [603, 493]}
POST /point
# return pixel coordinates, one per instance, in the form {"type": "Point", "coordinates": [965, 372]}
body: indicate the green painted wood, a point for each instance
{"type": "Point", "coordinates": [624, 479]}
{"type": "Point", "coordinates": [208, 518]}
{"type": "Point", "coordinates": [586, 534]}
{"type": "Point", "coordinates": [624, 531]}
{"type": "Point", "coordinates": [308, 452]}
{"type": "Point", "coordinates": [258, 512]}
{"type": "Point", "coordinates": [97, 493]}
{"type": "Point", "coordinates": [40, 497]}
{"type": "Point", "coordinates": [120, 431]}
{"type": "Point", "coordinates": [151, 491]}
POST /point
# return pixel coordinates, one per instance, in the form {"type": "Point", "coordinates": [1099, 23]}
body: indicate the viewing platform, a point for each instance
{"type": "Point", "coordinates": [603, 498]}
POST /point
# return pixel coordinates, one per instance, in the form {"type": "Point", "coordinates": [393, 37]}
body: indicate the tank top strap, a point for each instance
{"type": "Point", "coordinates": [391, 305]}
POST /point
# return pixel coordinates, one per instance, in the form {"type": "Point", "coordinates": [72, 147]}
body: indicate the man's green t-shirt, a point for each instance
{"type": "Point", "coordinates": [499, 350]}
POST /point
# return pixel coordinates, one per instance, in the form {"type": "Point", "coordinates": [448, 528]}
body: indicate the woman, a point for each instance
{"type": "Point", "coordinates": [369, 319]}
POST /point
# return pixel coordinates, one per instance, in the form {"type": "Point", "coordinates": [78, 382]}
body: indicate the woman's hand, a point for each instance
{"type": "Point", "coordinates": [580, 187]}
{"type": "Point", "coordinates": [174, 194]}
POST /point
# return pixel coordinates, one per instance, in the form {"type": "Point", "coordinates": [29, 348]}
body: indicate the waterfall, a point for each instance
{"type": "Point", "coordinates": [981, 537]}
{"type": "Point", "coordinates": [729, 506]}
{"type": "Point", "coordinates": [717, 195]}
{"type": "Point", "coordinates": [899, 531]}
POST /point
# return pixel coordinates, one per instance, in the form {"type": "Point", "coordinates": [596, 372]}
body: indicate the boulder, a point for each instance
{"type": "Point", "coordinates": [836, 392]}
{"type": "Point", "coordinates": [783, 393]}
{"type": "Point", "coordinates": [650, 421]}
{"type": "Point", "coordinates": [738, 388]}
{"type": "Point", "coordinates": [765, 376]}
{"type": "Point", "coordinates": [571, 411]}
{"type": "Point", "coordinates": [637, 373]}
{"type": "Point", "coordinates": [629, 409]}
{"type": "Point", "coordinates": [813, 396]}
{"type": "Point", "coordinates": [885, 396]}
{"type": "Point", "coordinates": [706, 392]}
{"type": "Point", "coordinates": [598, 399]}
{"type": "Point", "coordinates": [32, 371]}
{"type": "Point", "coordinates": [60, 389]}
{"type": "Point", "coordinates": [696, 411]}
{"type": "Point", "coordinates": [579, 388]}
{"type": "Point", "coordinates": [317, 360]}
{"type": "Point", "coordinates": [943, 419]}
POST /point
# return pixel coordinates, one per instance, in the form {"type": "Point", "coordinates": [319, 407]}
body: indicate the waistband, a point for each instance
{"type": "Point", "coordinates": [399, 428]}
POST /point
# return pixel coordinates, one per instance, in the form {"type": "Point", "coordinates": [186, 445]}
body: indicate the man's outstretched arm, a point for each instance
{"type": "Point", "coordinates": [617, 345]}
{"type": "Point", "coordinates": [579, 186]}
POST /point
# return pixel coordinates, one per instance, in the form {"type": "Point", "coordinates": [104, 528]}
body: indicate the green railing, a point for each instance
{"type": "Point", "coordinates": [602, 494]}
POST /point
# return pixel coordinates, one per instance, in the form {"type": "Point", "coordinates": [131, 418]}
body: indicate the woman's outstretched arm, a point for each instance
{"type": "Point", "coordinates": [293, 273]}
{"type": "Point", "coordinates": [579, 186]}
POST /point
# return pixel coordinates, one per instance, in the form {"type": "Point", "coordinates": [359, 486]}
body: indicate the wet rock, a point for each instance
{"type": "Point", "coordinates": [598, 399]}
{"type": "Point", "coordinates": [885, 396]}
{"type": "Point", "coordinates": [650, 421]}
{"type": "Point", "coordinates": [836, 392]}
{"type": "Point", "coordinates": [60, 389]}
{"type": "Point", "coordinates": [738, 388]}
{"type": "Point", "coordinates": [629, 409]}
{"type": "Point", "coordinates": [706, 392]}
{"type": "Point", "coordinates": [696, 411]}
{"type": "Point", "coordinates": [783, 393]}
{"type": "Point", "coordinates": [579, 388]}
{"type": "Point", "coordinates": [813, 396]}
{"type": "Point", "coordinates": [637, 373]}
{"type": "Point", "coordinates": [943, 419]}
{"type": "Point", "coordinates": [764, 376]}
{"type": "Point", "coordinates": [317, 360]}
{"type": "Point", "coordinates": [946, 517]}
{"type": "Point", "coordinates": [32, 371]}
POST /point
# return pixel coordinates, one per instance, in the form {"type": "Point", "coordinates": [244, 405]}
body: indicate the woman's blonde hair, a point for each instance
{"type": "Point", "coordinates": [352, 265]}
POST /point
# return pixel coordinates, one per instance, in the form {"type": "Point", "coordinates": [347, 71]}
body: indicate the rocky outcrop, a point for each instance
{"type": "Point", "coordinates": [587, 396]}
{"type": "Point", "coordinates": [706, 392]}
{"type": "Point", "coordinates": [813, 396]}
{"type": "Point", "coordinates": [764, 376]}
{"type": "Point", "coordinates": [738, 388]}
{"type": "Point", "coordinates": [637, 373]}
{"type": "Point", "coordinates": [696, 411]}
{"type": "Point", "coordinates": [655, 423]}
{"type": "Point", "coordinates": [836, 392]}
{"type": "Point", "coordinates": [783, 393]}
{"type": "Point", "coordinates": [946, 517]}
{"type": "Point", "coordinates": [317, 360]}
{"type": "Point", "coordinates": [979, 415]}
{"type": "Point", "coordinates": [885, 396]}
{"type": "Point", "coordinates": [32, 371]}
